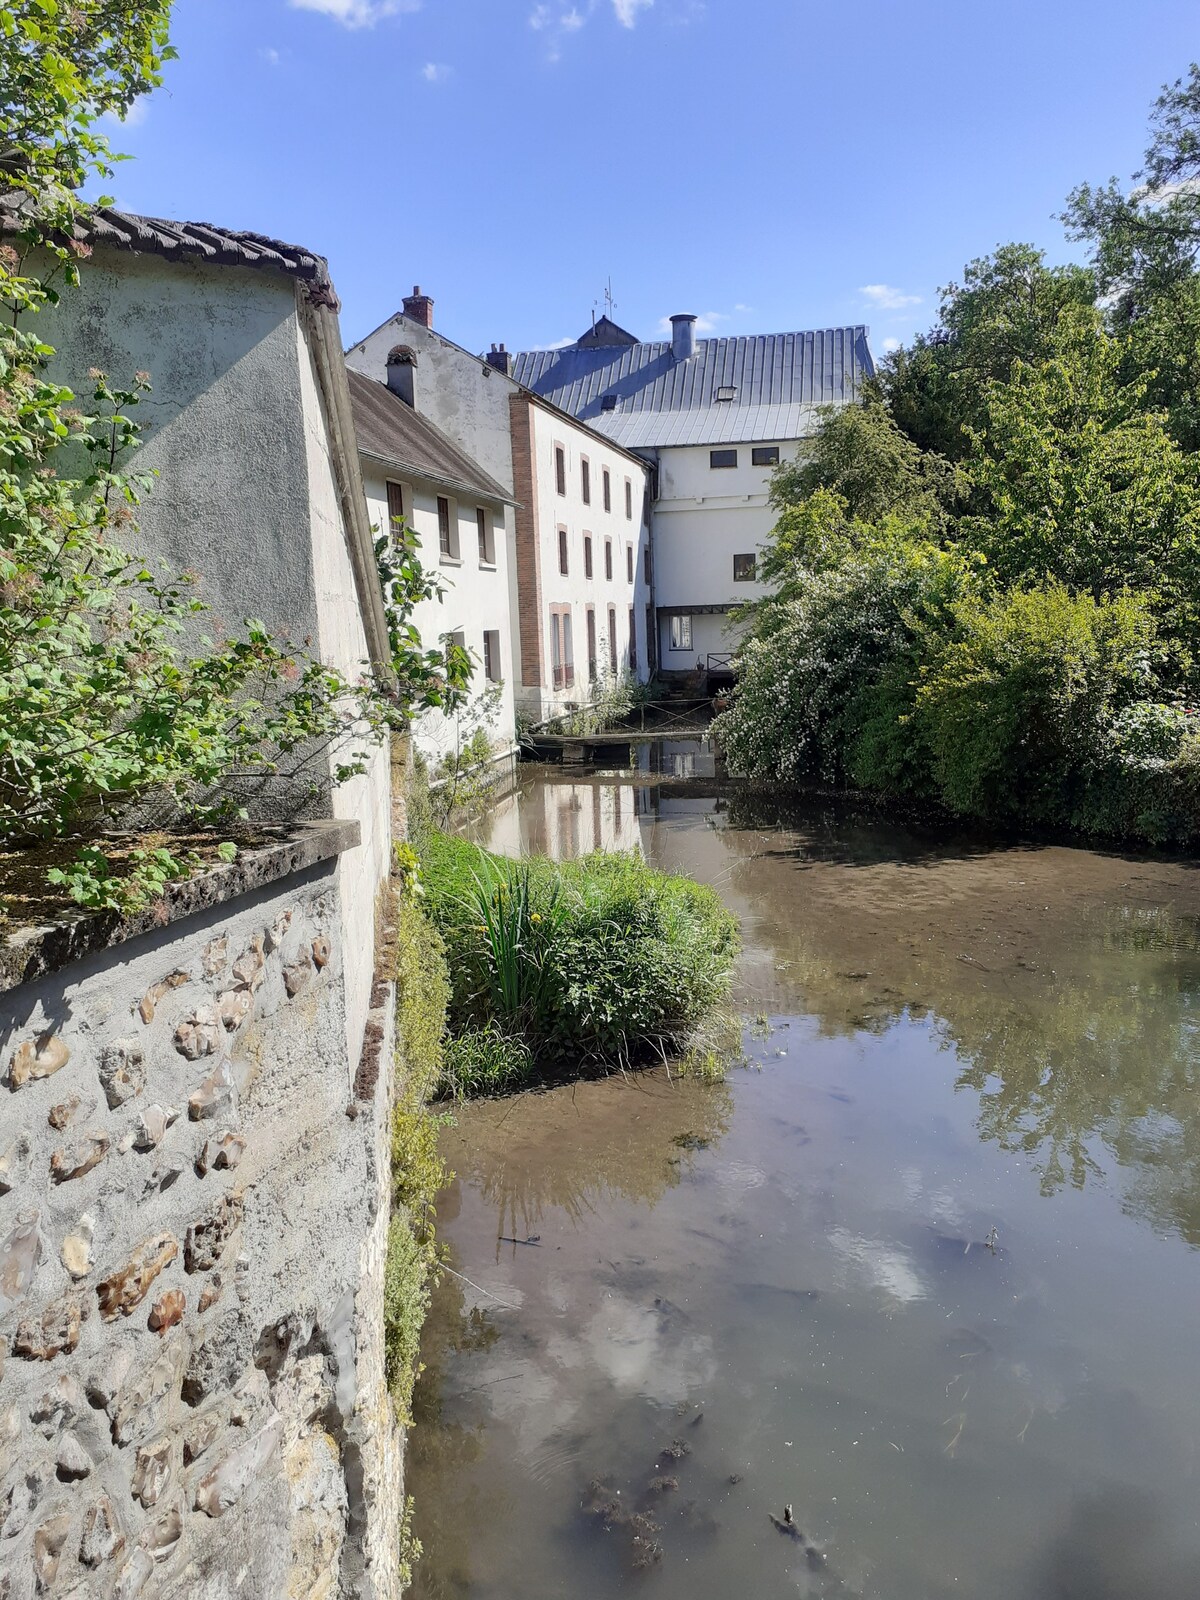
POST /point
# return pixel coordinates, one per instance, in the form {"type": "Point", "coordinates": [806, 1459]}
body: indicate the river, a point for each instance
{"type": "Point", "coordinates": [923, 1267]}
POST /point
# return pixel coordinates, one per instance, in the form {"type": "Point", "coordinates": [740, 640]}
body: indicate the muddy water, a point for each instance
{"type": "Point", "coordinates": [925, 1268]}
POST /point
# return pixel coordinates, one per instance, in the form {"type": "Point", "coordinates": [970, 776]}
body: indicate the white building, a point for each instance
{"type": "Point", "coordinates": [457, 510]}
{"type": "Point", "coordinates": [575, 525]}
{"type": "Point", "coordinates": [713, 417]}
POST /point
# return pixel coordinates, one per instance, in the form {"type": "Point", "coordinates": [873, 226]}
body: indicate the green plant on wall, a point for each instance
{"type": "Point", "coordinates": [110, 707]}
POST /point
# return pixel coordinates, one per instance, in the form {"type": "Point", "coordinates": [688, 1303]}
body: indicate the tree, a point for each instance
{"type": "Point", "coordinates": [1006, 309]}
{"type": "Point", "coordinates": [107, 705]}
{"type": "Point", "coordinates": [1076, 479]}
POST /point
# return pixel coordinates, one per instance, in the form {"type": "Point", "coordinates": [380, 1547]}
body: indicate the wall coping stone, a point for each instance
{"type": "Point", "coordinates": [30, 953]}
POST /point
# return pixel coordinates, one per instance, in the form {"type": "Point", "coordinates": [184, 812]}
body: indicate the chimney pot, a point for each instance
{"type": "Point", "coordinates": [419, 307]}
{"type": "Point", "coordinates": [683, 335]}
{"type": "Point", "coordinates": [501, 359]}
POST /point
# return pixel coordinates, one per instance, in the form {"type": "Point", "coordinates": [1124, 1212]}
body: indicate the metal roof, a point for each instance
{"type": "Point", "coordinates": [777, 381]}
{"type": "Point", "coordinates": [390, 430]}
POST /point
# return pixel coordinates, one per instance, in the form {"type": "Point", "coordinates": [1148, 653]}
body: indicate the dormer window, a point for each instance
{"type": "Point", "coordinates": [608, 402]}
{"type": "Point", "coordinates": [727, 391]}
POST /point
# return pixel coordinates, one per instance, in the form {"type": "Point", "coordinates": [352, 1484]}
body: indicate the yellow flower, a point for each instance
{"type": "Point", "coordinates": [533, 917]}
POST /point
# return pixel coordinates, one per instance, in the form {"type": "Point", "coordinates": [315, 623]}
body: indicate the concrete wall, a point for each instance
{"type": "Point", "coordinates": [192, 1207]}
{"type": "Point", "coordinates": [476, 597]}
{"type": "Point", "coordinates": [703, 517]}
{"type": "Point", "coordinates": [236, 430]}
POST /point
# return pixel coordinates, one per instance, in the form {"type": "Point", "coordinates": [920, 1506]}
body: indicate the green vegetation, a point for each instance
{"type": "Point", "coordinates": [988, 572]}
{"type": "Point", "coordinates": [418, 1172]}
{"type": "Point", "coordinates": [112, 708]}
{"type": "Point", "coordinates": [584, 966]}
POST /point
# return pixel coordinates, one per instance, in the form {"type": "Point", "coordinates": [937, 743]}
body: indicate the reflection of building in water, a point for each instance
{"type": "Point", "coordinates": [567, 819]}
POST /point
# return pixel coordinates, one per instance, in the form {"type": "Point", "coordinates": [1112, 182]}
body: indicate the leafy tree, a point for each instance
{"type": "Point", "coordinates": [1006, 309]}
{"type": "Point", "coordinates": [1078, 480]}
{"type": "Point", "coordinates": [858, 453]}
{"type": "Point", "coordinates": [107, 704]}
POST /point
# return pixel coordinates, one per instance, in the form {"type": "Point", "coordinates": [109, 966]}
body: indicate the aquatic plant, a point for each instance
{"type": "Point", "coordinates": [594, 964]}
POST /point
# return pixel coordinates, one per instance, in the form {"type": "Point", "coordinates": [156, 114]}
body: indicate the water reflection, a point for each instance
{"type": "Point", "coordinates": [925, 1272]}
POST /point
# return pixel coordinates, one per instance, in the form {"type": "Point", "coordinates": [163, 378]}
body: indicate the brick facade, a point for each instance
{"type": "Point", "coordinates": [528, 534]}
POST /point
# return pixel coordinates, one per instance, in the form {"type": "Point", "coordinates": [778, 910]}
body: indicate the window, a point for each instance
{"type": "Point", "coordinates": [764, 455]}
{"type": "Point", "coordinates": [491, 655]}
{"type": "Point", "coordinates": [632, 642]}
{"type": "Point", "coordinates": [681, 633]}
{"type": "Point", "coordinates": [612, 640]}
{"type": "Point", "coordinates": [744, 569]}
{"type": "Point", "coordinates": [722, 458]}
{"type": "Point", "coordinates": [455, 641]}
{"type": "Point", "coordinates": [585, 481]}
{"type": "Point", "coordinates": [646, 564]}
{"type": "Point", "coordinates": [487, 540]}
{"type": "Point", "coordinates": [651, 641]}
{"type": "Point", "coordinates": [560, 469]}
{"type": "Point", "coordinates": [395, 503]}
{"type": "Point", "coordinates": [587, 555]}
{"type": "Point", "coordinates": [726, 391]}
{"type": "Point", "coordinates": [591, 643]}
{"type": "Point", "coordinates": [568, 652]}
{"type": "Point", "coordinates": [447, 534]}
{"type": "Point", "coordinates": [563, 562]}
{"type": "Point", "coordinates": [608, 559]}
{"type": "Point", "coordinates": [608, 402]}
{"type": "Point", "coordinates": [606, 483]}
{"type": "Point", "coordinates": [556, 648]}
{"type": "Point", "coordinates": [628, 501]}
{"type": "Point", "coordinates": [628, 563]}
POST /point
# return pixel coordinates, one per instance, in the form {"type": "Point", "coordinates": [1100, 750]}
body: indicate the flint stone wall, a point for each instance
{"type": "Point", "coordinates": [193, 1220]}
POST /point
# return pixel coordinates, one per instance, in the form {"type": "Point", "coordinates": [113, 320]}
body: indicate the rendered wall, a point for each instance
{"type": "Point", "coordinates": [192, 1210]}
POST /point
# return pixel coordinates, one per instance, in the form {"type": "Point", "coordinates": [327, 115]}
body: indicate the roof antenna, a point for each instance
{"type": "Point", "coordinates": [610, 305]}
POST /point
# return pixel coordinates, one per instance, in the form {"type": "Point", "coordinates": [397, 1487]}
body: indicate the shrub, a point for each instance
{"type": "Point", "coordinates": [595, 962]}
{"type": "Point", "coordinates": [1017, 708]}
{"type": "Point", "coordinates": [486, 1061]}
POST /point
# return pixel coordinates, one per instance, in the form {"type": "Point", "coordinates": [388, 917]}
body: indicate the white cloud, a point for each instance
{"type": "Point", "coordinates": [627, 11]}
{"type": "Point", "coordinates": [357, 13]}
{"type": "Point", "coordinates": [891, 344]}
{"type": "Point", "coordinates": [742, 310]}
{"type": "Point", "coordinates": [436, 72]}
{"type": "Point", "coordinates": [271, 56]}
{"type": "Point", "coordinates": [886, 298]}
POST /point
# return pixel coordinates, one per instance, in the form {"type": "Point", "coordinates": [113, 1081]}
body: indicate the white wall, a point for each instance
{"type": "Point", "coordinates": [476, 598]}
{"type": "Point", "coordinates": [703, 517]}
{"type": "Point", "coordinates": [575, 589]}
{"type": "Point", "coordinates": [565, 820]}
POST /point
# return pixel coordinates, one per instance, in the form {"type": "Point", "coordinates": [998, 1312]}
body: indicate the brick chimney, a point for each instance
{"type": "Point", "coordinates": [501, 359]}
{"type": "Point", "coordinates": [419, 307]}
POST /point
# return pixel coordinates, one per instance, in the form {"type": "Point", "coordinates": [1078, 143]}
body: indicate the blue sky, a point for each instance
{"type": "Point", "coordinates": [767, 164]}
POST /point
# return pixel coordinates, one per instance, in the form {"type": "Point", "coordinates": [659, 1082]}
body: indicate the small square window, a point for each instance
{"type": "Point", "coordinates": [745, 568]}
{"type": "Point", "coordinates": [727, 391]}
{"type": "Point", "coordinates": [722, 458]}
{"type": "Point", "coordinates": [765, 455]}
{"type": "Point", "coordinates": [608, 402]}
{"type": "Point", "coordinates": [681, 633]}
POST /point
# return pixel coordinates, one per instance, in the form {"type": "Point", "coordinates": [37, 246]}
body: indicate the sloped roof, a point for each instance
{"type": "Point", "coordinates": [393, 433]}
{"type": "Point", "coordinates": [196, 241]}
{"type": "Point", "coordinates": [778, 380]}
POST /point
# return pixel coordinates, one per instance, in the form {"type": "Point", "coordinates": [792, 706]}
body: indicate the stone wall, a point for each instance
{"type": "Point", "coordinates": [193, 1213]}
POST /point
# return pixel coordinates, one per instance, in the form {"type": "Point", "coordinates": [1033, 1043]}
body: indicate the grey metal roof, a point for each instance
{"type": "Point", "coordinates": [778, 379]}
{"type": "Point", "coordinates": [392, 432]}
